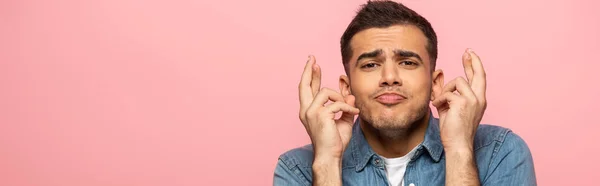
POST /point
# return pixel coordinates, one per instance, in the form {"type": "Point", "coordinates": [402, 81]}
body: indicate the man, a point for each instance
{"type": "Point", "coordinates": [389, 54]}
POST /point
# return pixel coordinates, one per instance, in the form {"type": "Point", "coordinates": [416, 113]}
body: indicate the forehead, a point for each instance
{"type": "Point", "coordinates": [406, 37]}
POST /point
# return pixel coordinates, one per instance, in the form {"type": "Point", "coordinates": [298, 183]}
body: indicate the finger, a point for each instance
{"type": "Point", "coordinates": [324, 95]}
{"type": "Point", "coordinates": [315, 84]}
{"type": "Point", "coordinates": [350, 99]}
{"type": "Point", "coordinates": [343, 107]}
{"type": "Point", "coordinates": [479, 78]}
{"type": "Point", "coordinates": [304, 90]}
{"type": "Point", "coordinates": [446, 97]}
{"type": "Point", "coordinates": [349, 117]}
{"type": "Point", "coordinates": [468, 66]}
{"type": "Point", "coordinates": [459, 84]}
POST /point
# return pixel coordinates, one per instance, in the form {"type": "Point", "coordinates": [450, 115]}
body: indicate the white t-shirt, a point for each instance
{"type": "Point", "coordinates": [395, 168]}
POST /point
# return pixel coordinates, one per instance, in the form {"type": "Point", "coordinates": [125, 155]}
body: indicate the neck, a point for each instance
{"type": "Point", "coordinates": [399, 145]}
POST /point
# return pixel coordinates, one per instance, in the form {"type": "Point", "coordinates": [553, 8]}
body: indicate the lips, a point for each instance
{"type": "Point", "coordinates": [390, 98]}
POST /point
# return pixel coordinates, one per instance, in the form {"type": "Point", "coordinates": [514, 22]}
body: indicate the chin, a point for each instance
{"type": "Point", "coordinates": [394, 119]}
{"type": "Point", "coordinates": [396, 122]}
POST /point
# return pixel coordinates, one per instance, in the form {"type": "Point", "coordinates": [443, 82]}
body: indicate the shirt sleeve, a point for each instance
{"type": "Point", "coordinates": [286, 176]}
{"type": "Point", "coordinates": [513, 164]}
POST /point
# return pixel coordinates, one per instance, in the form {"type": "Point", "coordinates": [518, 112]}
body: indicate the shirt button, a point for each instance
{"type": "Point", "coordinates": [411, 184]}
{"type": "Point", "coordinates": [376, 161]}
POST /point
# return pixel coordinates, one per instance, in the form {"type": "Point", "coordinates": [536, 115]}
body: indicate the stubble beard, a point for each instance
{"type": "Point", "coordinates": [393, 127]}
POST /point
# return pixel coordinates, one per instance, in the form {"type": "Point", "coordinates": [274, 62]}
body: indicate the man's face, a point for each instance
{"type": "Point", "coordinates": [390, 76]}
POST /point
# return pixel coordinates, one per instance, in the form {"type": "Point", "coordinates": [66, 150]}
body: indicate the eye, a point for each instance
{"type": "Point", "coordinates": [369, 65]}
{"type": "Point", "coordinates": [408, 63]}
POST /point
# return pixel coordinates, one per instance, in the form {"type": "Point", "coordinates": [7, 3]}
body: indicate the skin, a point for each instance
{"type": "Point", "coordinates": [393, 60]}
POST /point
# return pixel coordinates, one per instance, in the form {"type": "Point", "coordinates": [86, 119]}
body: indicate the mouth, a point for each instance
{"type": "Point", "coordinates": [390, 98]}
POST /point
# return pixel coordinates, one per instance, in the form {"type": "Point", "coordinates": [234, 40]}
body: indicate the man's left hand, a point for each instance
{"type": "Point", "coordinates": [461, 105]}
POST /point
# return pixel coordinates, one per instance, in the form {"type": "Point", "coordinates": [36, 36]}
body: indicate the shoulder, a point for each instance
{"type": "Point", "coordinates": [489, 135]}
{"type": "Point", "coordinates": [294, 167]}
{"type": "Point", "coordinates": [499, 139]}
{"type": "Point", "coordinates": [301, 157]}
{"type": "Point", "coordinates": [503, 157]}
{"type": "Point", "coordinates": [295, 164]}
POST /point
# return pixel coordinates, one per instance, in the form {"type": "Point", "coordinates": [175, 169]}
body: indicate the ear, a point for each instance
{"type": "Point", "coordinates": [437, 78]}
{"type": "Point", "coordinates": [345, 85]}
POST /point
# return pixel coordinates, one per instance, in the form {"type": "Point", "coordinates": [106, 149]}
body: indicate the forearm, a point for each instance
{"type": "Point", "coordinates": [461, 168]}
{"type": "Point", "coordinates": [327, 172]}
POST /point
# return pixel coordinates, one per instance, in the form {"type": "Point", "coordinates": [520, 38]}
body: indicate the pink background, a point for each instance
{"type": "Point", "coordinates": [138, 92]}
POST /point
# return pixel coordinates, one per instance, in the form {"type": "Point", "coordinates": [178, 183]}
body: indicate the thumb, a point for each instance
{"type": "Point", "coordinates": [347, 116]}
{"type": "Point", "coordinates": [349, 99]}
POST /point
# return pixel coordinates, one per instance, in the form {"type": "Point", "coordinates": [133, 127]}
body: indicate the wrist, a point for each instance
{"type": "Point", "coordinates": [461, 166]}
{"type": "Point", "coordinates": [457, 155]}
{"type": "Point", "coordinates": [458, 145]}
{"type": "Point", "coordinates": [462, 152]}
{"type": "Point", "coordinates": [327, 171]}
{"type": "Point", "coordinates": [326, 162]}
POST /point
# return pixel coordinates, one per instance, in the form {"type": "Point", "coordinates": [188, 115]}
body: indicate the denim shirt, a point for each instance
{"type": "Point", "coordinates": [502, 157]}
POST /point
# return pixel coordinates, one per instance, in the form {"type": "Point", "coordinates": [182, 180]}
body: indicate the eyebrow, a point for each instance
{"type": "Point", "coordinates": [407, 54]}
{"type": "Point", "coordinates": [371, 54]}
{"type": "Point", "coordinates": [397, 53]}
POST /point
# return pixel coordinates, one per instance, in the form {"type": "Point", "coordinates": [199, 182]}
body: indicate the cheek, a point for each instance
{"type": "Point", "coordinates": [363, 86]}
{"type": "Point", "coordinates": [418, 84]}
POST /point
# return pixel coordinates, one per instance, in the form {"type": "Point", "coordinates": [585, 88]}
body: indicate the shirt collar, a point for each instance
{"type": "Point", "coordinates": [432, 141]}
{"type": "Point", "coordinates": [361, 151]}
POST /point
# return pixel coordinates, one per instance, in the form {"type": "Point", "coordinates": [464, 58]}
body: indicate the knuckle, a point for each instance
{"type": "Point", "coordinates": [461, 80]}
{"type": "Point", "coordinates": [302, 113]}
{"type": "Point", "coordinates": [319, 94]}
{"type": "Point", "coordinates": [302, 119]}
{"type": "Point", "coordinates": [324, 90]}
{"type": "Point", "coordinates": [452, 81]}
{"type": "Point", "coordinates": [327, 90]}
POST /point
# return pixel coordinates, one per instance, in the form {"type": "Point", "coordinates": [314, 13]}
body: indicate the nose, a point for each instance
{"type": "Point", "coordinates": [390, 75]}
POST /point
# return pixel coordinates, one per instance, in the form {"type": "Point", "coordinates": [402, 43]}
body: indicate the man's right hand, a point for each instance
{"type": "Point", "coordinates": [328, 135]}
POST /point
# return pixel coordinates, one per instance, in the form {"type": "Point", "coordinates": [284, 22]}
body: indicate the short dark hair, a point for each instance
{"type": "Point", "coordinates": [382, 14]}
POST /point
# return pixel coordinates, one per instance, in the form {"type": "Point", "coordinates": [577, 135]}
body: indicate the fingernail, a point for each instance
{"type": "Point", "coordinates": [468, 52]}
{"type": "Point", "coordinates": [471, 51]}
{"type": "Point", "coordinates": [308, 59]}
